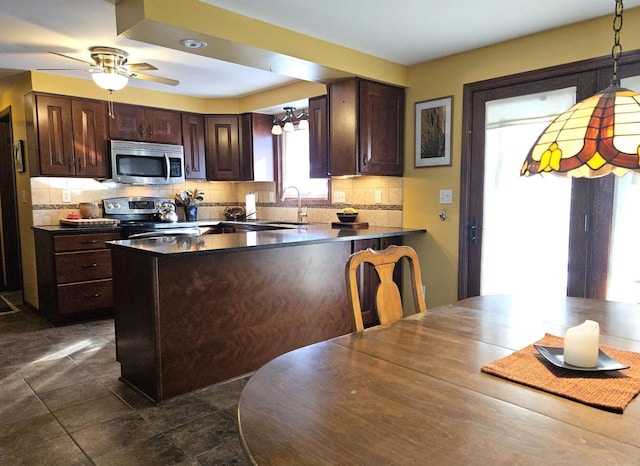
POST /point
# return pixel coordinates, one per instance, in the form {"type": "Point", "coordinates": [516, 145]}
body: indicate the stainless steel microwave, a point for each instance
{"type": "Point", "coordinates": [146, 162]}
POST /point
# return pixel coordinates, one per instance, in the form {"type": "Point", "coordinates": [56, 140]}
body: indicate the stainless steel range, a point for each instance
{"type": "Point", "coordinates": [146, 217]}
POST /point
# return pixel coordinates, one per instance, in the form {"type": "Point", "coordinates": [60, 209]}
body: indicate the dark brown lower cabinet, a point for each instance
{"type": "Point", "coordinates": [74, 275]}
{"type": "Point", "coordinates": [368, 280]}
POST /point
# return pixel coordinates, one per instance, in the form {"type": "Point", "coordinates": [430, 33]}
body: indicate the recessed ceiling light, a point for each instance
{"type": "Point", "coordinates": [193, 43]}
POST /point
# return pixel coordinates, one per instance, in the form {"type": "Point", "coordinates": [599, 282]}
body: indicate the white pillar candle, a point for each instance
{"type": "Point", "coordinates": [581, 344]}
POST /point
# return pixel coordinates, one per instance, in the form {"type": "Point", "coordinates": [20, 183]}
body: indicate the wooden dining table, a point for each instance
{"type": "Point", "coordinates": [413, 392]}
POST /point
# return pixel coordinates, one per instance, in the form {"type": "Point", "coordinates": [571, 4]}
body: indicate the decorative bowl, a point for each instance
{"type": "Point", "coordinates": [347, 216]}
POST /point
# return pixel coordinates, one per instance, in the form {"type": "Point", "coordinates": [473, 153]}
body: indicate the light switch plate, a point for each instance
{"type": "Point", "coordinates": [446, 196]}
{"type": "Point", "coordinates": [66, 196]}
{"type": "Point", "coordinates": [378, 196]}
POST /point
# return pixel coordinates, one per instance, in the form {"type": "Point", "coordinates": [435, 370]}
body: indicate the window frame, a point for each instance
{"type": "Point", "coordinates": [278, 149]}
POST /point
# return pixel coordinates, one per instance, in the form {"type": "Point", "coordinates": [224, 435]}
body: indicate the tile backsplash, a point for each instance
{"type": "Point", "coordinates": [53, 199]}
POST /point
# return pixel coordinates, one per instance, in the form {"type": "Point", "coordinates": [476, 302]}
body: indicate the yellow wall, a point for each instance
{"type": "Point", "coordinates": [438, 251]}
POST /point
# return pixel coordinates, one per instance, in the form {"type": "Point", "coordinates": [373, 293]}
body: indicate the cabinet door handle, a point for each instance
{"type": "Point", "coordinates": [364, 160]}
{"type": "Point", "coordinates": [187, 169]}
{"type": "Point", "coordinates": [92, 241]}
{"type": "Point", "coordinates": [95, 295]}
{"type": "Point", "coordinates": [141, 130]}
{"type": "Point", "coordinates": [149, 130]}
{"type": "Point", "coordinates": [90, 266]}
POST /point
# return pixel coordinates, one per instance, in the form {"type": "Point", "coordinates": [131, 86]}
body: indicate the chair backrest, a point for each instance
{"type": "Point", "coordinates": [388, 301]}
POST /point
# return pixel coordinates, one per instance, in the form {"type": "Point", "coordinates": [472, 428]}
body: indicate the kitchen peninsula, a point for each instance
{"type": "Point", "coordinates": [191, 311]}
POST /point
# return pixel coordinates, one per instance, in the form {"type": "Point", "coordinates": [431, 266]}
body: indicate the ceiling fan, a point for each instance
{"type": "Point", "coordinates": [111, 71]}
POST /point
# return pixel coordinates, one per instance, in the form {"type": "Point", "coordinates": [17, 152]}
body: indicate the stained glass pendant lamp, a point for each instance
{"type": "Point", "coordinates": [595, 137]}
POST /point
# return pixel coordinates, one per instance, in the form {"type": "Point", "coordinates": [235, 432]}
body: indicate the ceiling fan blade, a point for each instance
{"type": "Point", "coordinates": [61, 69]}
{"type": "Point", "coordinates": [140, 66]}
{"type": "Point", "coordinates": [73, 58]}
{"type": "Point", "coordinates": [158, 79]}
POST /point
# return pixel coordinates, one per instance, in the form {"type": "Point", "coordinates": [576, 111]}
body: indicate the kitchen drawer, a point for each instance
{"type": "Point", "coordinates": [85, 296]}
{"type": "Point", "coordinates": [62, 243]}
{"type": "Point", "coordinates": [81, 266]}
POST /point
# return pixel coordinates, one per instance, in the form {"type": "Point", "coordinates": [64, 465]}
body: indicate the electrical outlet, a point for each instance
{"type": "Point", "coordinates": [378, 196]}
{"type": "Point", "coordinates": [338, 196]}
{"type": "Point", "coordinates": [66, 196]}
{"type": "Point", "coordinates": [272, 196]}
{"type": "Point", "coordinates": [23, 195]}
{"type": "Point", "coordinates": [446, 196]}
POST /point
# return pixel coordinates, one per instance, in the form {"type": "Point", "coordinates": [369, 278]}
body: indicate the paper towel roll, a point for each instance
{"type": "Point", "coordinates": [250, 206]}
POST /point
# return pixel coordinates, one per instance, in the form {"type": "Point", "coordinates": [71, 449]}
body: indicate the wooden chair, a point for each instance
{"type": "Point", "coordinates": [388, 301]}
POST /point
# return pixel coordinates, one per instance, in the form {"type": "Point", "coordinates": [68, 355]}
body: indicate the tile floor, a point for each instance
{"type": "Point", "coordinates": [61, 403]}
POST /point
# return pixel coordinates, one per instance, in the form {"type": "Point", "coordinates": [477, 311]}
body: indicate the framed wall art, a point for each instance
{"type": "Point", "coordinates": [433, 132]}
{"type": "Point", "coordinates": [18, 156]}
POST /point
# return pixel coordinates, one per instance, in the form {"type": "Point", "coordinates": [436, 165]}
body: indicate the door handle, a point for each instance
{"type": "Point", "coordinates": [473, 230]}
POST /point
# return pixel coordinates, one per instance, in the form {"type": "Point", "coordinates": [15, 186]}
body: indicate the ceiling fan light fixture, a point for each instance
{"type": "Point", "coordinates": [110, 80]}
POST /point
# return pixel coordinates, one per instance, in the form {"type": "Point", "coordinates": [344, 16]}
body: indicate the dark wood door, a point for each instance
{"type": "Point", "coordinates": [10, 260]}
{"type": "Point", "coordinates": [223, 148]}
{"type": "Point", "coordinates": [127, 123]}
{"type": "Point", "coordinates": [381, 129]}
{"type": "Point", "coordinates": [55, 135]}
{"type": "Point", "coordinates": [90, 138]}
{"type": "Point", "coordinates": [193, 141]}
{"type": "Point", "coordinates": [318, 138]}
{"type": "Point", "coordinates": [163, 126]}
{"type": "Point", "coordinates": [591, 199]}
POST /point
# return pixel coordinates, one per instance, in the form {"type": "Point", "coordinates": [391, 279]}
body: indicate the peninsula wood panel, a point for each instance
{"type": "Point", "coordinates": [211, 317]}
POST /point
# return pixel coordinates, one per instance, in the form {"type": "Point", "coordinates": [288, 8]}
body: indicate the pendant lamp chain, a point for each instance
{"type": "Point", "coordinates": [616, 50]}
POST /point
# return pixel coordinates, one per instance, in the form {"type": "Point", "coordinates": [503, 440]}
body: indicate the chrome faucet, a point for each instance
{"type": "Point", "coordinates": [284, 192]}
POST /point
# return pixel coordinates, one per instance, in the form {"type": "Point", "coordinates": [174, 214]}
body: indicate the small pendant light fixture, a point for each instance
{"type": "Point", "coordinates": [287, 122]}
{"type": "Point", "coordinates": [595, 137]}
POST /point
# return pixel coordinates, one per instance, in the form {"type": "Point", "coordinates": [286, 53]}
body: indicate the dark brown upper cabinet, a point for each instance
{"type": "Point", "coordinates": [318, 138]}
{"type": "Point", "coordinates": [69, 136]}
{"type": "Point", "coordinates": [136, 123]}
{"type": "Point", "coordinates": [256, 148]}
{"type": "Point", "coordinates": [195, 165]}
{"type": "Point", "coordinates": [239, 147]}
{"type": "Point", "coordinates": [366, 128]}
{"type": "Point", "coordinates": [222, 142]}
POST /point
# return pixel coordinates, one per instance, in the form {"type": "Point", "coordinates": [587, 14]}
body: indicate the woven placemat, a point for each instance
{"type": "Point", "coordinates": [608, 390]}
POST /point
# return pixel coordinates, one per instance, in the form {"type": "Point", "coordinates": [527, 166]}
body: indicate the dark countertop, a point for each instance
{"type": "Point", "coordinates": [72, 230]}
{"type": "Point", "coordinates": [227, 242]}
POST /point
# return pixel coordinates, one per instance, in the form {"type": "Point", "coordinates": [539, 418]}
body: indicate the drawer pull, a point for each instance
{"type": "Point", "coordinates": [90, 266]}
{"type": "Point", "coordinates": [95, 295]}
{"type": "Point", "coordinates": [93, 241]}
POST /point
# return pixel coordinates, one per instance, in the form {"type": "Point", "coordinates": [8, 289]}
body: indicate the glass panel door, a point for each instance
{"type": "Point", "coordinates": [525, 231]}
{"type": "Point", "coordinates": [623, 282]}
